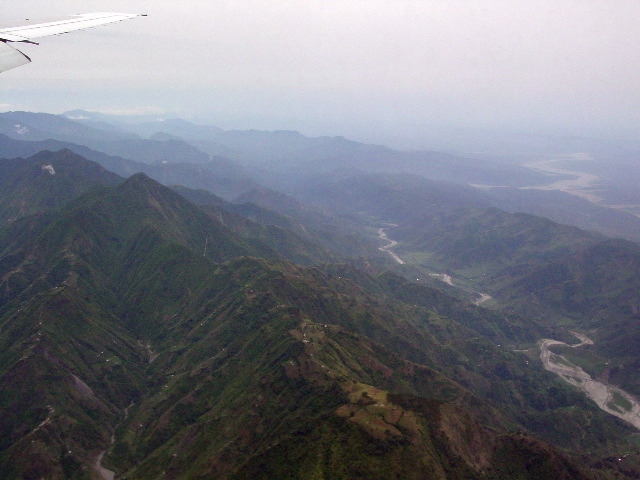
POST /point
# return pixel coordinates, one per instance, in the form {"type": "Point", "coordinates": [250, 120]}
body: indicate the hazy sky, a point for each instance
{"type": "Point", "coordinates": [360, 68]}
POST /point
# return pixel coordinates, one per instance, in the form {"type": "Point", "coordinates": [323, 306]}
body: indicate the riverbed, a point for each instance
{"type": "Point", "coordinates": [609, 398]}
{"type": "Point", "coordinates": [580, 183]}
{"type": "Point", "coordinates": [382, 233]}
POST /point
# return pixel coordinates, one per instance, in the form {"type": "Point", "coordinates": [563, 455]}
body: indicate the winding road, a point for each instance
{"type": "Point", "coordinates": [612, 400]}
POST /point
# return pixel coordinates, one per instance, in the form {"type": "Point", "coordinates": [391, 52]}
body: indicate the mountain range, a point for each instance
{"type": "Point", "coordinates": [161, 332]}
{"type": "Point", "coordinates": [176, 152]}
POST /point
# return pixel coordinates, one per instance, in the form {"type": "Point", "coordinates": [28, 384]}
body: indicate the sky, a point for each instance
{"type": "Point", "coordinates": [365, 69]}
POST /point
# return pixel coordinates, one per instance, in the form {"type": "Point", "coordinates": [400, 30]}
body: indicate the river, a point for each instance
{"type": "Point", "coordinates": [579, 184]}
{"type": "Point", "coordinates": [609, 398]}
{"type": "Point", "coordinates": [105, 473]}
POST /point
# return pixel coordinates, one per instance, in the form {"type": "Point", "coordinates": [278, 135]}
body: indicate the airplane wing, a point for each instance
{"type": "Point", "coordinates": [11, 57]}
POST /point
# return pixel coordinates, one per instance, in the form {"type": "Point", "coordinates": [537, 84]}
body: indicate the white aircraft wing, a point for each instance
{"type": "Point", "coordinates": [10, 57]}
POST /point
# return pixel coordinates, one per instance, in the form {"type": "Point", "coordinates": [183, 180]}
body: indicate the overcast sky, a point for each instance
{"type": "Point", "coordinates": [359, 68]}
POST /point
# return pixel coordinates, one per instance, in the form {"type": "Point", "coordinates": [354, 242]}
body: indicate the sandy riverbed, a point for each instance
{"type": "Point", "coordinates": [606, 396]}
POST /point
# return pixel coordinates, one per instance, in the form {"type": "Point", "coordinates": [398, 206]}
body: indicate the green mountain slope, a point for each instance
{"type": "Point", "coordinates": [46, 180]}
{"type": "Point", "coordinates": [255, 349]}
{"type": "Point", "coordinates": [49, 180]}
{"type": "Point", "coordinates": [70, 364]}
{"type": "Point", "coordinates": [488, 240]}
{"type": "Point", "coordinates": [130, 312]}
{"type": "Point", "coordinates": [308, 228]}
{"type": "Point", "coordinates": [588, 285]}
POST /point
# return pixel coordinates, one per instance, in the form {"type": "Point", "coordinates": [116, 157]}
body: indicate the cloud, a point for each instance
{"type": "Point", "coordinates": [132, 111]}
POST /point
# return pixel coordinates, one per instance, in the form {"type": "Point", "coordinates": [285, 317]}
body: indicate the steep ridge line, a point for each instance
{"type": "Point", "coordinates": [609, 398]}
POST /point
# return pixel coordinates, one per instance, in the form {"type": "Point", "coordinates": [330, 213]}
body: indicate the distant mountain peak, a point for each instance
{"type": "Point", "coordinates": [163, 136]}
{"type": "Point", "coordinates": [139, 180]}
{"type": "Point", "coordinates": [141, 190]}
{"type": "Point", "coordinates": [47, 180]}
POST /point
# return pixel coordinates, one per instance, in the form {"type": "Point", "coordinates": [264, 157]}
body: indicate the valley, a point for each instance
{"type": "Point", "coordinates": [581, 184]}
{"type": "Point", "coordinates": [480, 297]}
{"type": "Point", "coordinates": [579, 189]}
